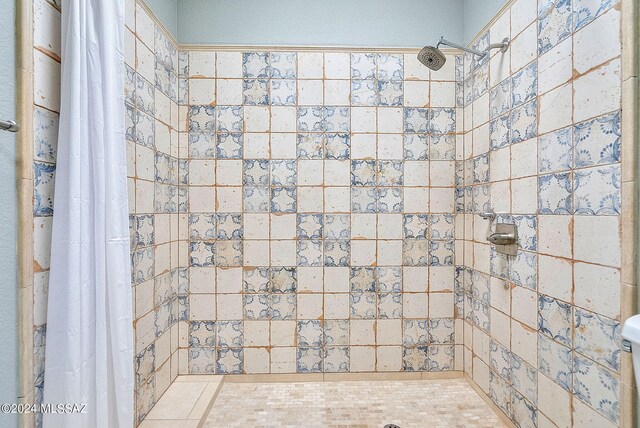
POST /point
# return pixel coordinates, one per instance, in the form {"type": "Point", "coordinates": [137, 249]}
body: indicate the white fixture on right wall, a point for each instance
{"type": "Point", "coordinates": [631, 333]}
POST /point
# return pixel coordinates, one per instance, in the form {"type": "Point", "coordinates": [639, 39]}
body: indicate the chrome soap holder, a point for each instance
{"type": "Point", "coordinates": [505, 238]}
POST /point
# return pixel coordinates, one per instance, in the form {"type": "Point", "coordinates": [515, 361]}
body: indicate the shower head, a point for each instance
{"type": "Point", "coordinates": [432, 57]}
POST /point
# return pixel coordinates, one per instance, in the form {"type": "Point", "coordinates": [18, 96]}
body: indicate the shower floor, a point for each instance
{"type": "Point", "coordinates": [406, 403]}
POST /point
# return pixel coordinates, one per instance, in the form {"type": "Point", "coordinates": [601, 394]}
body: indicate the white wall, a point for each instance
{"type": "Point", "coordinates": [8, 218]}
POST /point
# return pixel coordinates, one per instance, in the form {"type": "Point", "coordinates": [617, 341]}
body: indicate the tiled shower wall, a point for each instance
{"type": "Point", "coordinates": [156, 197]}
{"type": "Point", "coordinates": [321, 212]}
{"type": "Point", "coordinates": [542, 148]}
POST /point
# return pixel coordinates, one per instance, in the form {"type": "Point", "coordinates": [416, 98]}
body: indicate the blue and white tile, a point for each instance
{"type": "Point", "coordinates": [309, 226]}
{"type": "Point", "coordinates": [256, 307]}
{"type": "Point", "coordinates": [415, 358]}
{"type": "Point", "coordinates": [283, 280]}
{"type": "Point", "coordinates": [256, 172]}
{"type": "Point", "coordinates": [441, 358]}
{"type": "Point", "coordinates": [364, 93]}
{"type": "Point", "coordinates": [337, 226]}
{"type": "Point", "coordinates": [256, 280]}
{"type": "Point", "coordinates": [524, 414]}
{"type": "Point", "coordinates": [202, 361]}
{"type": "Point", "coordinates": [45, 134]}
{"type": "Point", "coordinates": [597, 191]}
{"type": "Point", "coordinates": [255, 65]}
{"type": "Point", "coordinates": [283, 199]}
{"type": "Point", "coordinates": [336, 332]}
{"type": "Point", "coordinates": [597, 387]}
{"type": "Point", "coordinates": [554, 361]}
{"type": "Point", "coordinates": [256, 199]}
{"type": "Point", "coordinates": [524, 378]}
{"type": "Point", "coordinates": [336, 359]}
{"type": "Point", "coordinates": [554, 23]}
{"type": "Point", "coordinates": [255, 92]}
{"type": "Point", "coordinates": [598, 338]}
{"type": "Point", "coordinates": [500, 392]}
{"type": "Point", "coordinates": [389, 305]}
{"type": "Point", "coordinates": [337, 119]}
{"type": "Point", "coordinates": [309, 333]}
{"type": "Point", "coordinates": [229, 146]}
{"type": "Point", "coordinates": [441, 253]}
{"type": "Point", "coordinates": [416, 147]}
{"type": "Point", "coordinates": [442, 120]}
{"type": "Point", "coordinates": [597, 141]}
{"type": "Point", "coordinates": [363, 65]}
{"type": "Point", "coordinates": [390, 173]}
{"type": "Point", "coordinates": [202, 334]}
{"type": "Point", "coordinates": [555, 151]}
{"type": "Point", "coordinates": [229, 226]}
{"type": "Point", "coordinates": [555, 194]}
{"type": "Point", "coordinates": [310, 252]}
{"type": "Point", "coordinates": [229, 334]}
{"type": "Point", "coordinates": [555, 319]}
{"type": "Point", "coordinates": [416, 120]}
{"type": "Point", "coordinates": [500, 98]}
{"type": "Point", "coordinates": [363, 173]}
{"type": "Point", "coordinates": [337, 146]}
{"type": "Point", "coordinates": [499, 132]}
{"type": "Point", "coordinates": [391, 93]}
{"type": "Point", "coordinates": [201, 253]}
{"type": "Point", "coordinates": [228, 253]}
{"type": "Point", "coordinates": [202, 226]}
{"type": "Point", "coordinates": [524, 124]}
{"type": "Point", "coordinates": [390, 200]}
{"type": "Point", "coordinates": [43, 190]}
{"type": "Point", "coordinates": [500, 360]}
{"type": "Point", "coordinates": [283, 306]}
{"type": "Point", "coordinates": [441, 331]}
{"type": "Point", "coordinates": [524, 86]}
{"type": "Point", "coordinates": [523, 270]}
{"type": "Point", "coordinates": [229, 361]}
{"type": "Point", "coordinates": [527, 231]}
{"type": "Point", "coordinates": [202, 146]}
{"type": "Point", "coordinates": [310, 119]}
{"type": "Point", "coordinates": [283, 173]}
{"type": "Point", "coordinates": [283, 65]}
{"type": "Point", "coordinates": [309, 146]}
{"type": "Point", "coordinates": [390, 67]}
{"type": "Point", "coordinates": [309, 360]}
{"type": "Point", "coordinates": [362, 279]}
{"type": "Point", "coordinates": [202, 119]}
{"type": "Point", "coordinates": [415, 252]}
{"type": "Point", "coordinates": [337, 253]}
{"type": "Point", "coordinates": [363, 305]}
{"type": "Point", "coordinates": [415, 332]}
{"type": "Point", "coordinates": [415, 226]}
{"type": "Point", "coordinates": [585, 11]}
{"type": "Point", "coordinates": [441, 147]}
{"type": "Point", "coordinates": [364, 200]}
{"type": "Point", "coordinates": [229, 119]}
{"type": "Point", "coordinates": [282, 92]}
{"type": "Point", "coordinates": [388, 279]}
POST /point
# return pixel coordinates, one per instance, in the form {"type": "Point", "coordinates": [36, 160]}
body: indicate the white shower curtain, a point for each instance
{"type": "Point", "coordinates": [89, 344]}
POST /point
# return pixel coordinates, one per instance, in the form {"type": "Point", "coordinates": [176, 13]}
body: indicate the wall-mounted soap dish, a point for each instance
{"type": "Point", "coordinates": [505, 239]}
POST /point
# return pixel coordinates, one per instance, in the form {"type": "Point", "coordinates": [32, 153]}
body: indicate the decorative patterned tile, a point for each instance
{"type": "Point", "coordinates": [597, 191]}
{"type": "Point", "coordinates": [523, 122]}
{"type": "Point", "coordinates": [597, 141]}
{"type": "Point", "coordinates": [555, 194]}
{"type": "Point", "coordinates": [555, 319]}
{"type": "Point", "coordinates": [554, 23]}
{"type": "Point", "coordinates": [598, 338]}
{"type": "Point", "coordinates": [555, 151]}
{"type": "Point", "coordinates": [597, 387]}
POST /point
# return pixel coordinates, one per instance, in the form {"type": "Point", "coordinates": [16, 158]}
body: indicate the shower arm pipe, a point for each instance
{"type": "Point", "coordinates": [502, 46]}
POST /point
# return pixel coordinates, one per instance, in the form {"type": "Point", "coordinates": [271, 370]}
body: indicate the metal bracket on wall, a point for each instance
{"type": "Point", "coordinates": [9, 125]}
{"type": "Point", "coordinates": [505, 239]}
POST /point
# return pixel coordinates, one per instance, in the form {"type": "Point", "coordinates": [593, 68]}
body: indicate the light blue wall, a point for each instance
{"type": "Point", "coordinates": [476, 15]}
{"type": "Point", "coordinates": [8, 218]}
{"type": "Point", "coordinates": [167, 13]}
{"type": "Point", "coordinates": [367, 23]}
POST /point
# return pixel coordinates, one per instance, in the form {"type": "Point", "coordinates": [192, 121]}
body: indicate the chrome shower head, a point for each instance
{"type": "Point", "coordinates": [432, 57]}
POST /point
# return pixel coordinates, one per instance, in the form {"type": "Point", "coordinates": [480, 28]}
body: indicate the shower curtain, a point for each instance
{"type": "Point", "coordinates": [89, 343]}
